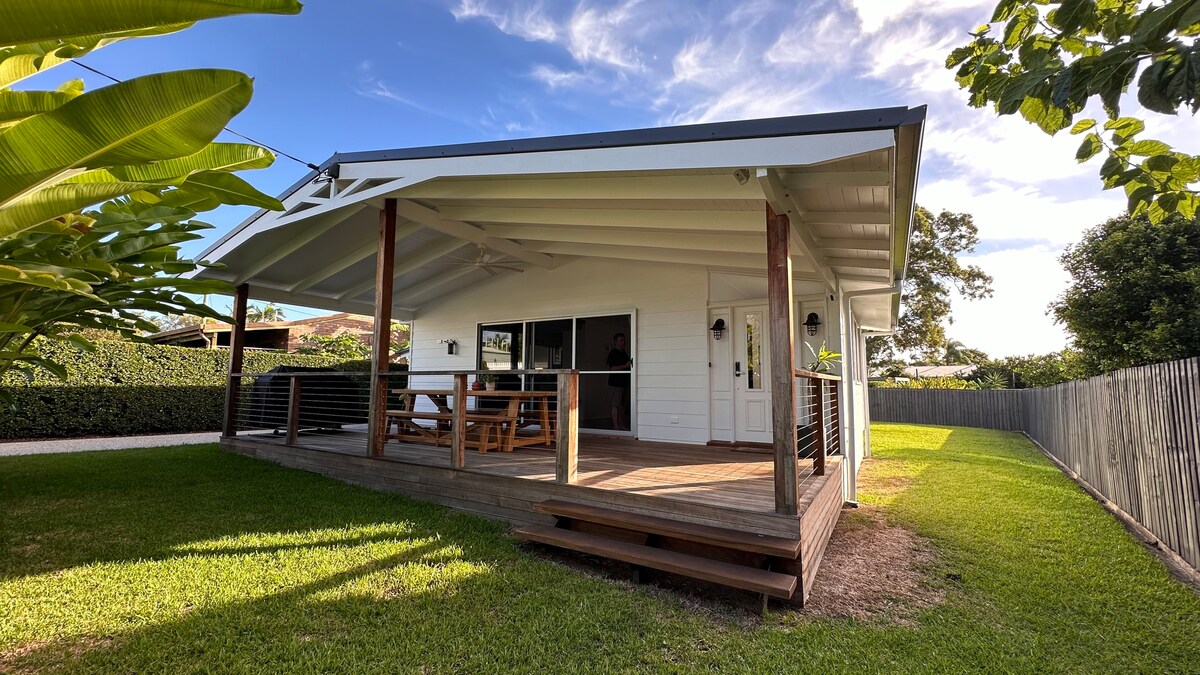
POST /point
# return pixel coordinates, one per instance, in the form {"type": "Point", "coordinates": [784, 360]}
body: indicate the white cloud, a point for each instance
{"type": "Point", "coordinates": [1013, 321]}
{"type": "Point", "coordinates": [700, 62]}
{"type": "Point", "coordinates": [875, 14]}
{"type": "Point", "coordinates": [1025, 213]}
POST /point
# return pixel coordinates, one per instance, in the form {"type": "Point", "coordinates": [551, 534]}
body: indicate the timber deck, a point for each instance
{"type": "Point", "coordinates": [717, 487]}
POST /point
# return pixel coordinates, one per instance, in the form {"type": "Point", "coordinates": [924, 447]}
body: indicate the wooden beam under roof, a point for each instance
{"type": "Point", "coordinates": [755, 261]}
{"type": "Point", "coordinates": [349, 260]}
{"type": "Point", "coordinates": [838, 179]}
{"type": "Point", "coordinates": [861, 263]}
{"type": "Point", "coordinates": [719, 186]}
{"type": "Point", "coordinates": [295, 243]}
{"type": "Point", "coordinates": [475, 234]}
{"type": "Point", "coordinates": [783, 202]}
{"type": "Point", "coordinates": [732, 243]}
{"type": "Point", "coordinates": [855, 244]}
{"type": "Point", "coordinates": [848, 217]}
{"type": "Point", "coordinates": [411, 262]}
{"type": "Point", "coordinates": [599, 217]}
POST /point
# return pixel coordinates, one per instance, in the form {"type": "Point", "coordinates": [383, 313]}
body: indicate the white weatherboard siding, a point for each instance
{"type": "Point", "coordinates": [669, 344]}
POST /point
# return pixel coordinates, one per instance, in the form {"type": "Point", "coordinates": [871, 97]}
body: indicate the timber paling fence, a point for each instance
{"type": "Point", "coordinates": [1133, 435]}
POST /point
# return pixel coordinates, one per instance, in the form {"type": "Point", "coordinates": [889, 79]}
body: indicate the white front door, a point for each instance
{"type": "Point", "coordinates": [751, 387]}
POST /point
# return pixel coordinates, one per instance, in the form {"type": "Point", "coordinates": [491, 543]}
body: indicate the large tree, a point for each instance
{"type": "Point", "coordinates": [1049, 58]}
{"type": "Point", "coordinates": [933, 270]}
{"type": "Point", "coordinates": [1134, 297]}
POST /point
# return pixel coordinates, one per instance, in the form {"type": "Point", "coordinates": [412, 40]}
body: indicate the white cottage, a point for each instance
{"type": "Point", "coordinates": [721, 257]}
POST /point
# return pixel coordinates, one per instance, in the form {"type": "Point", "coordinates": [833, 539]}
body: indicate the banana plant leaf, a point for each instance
{"type": "Point", "coordinates": [18, 105]}
{"type": "Point", "coordinates": [146, 119]}
{"type": "Point", "coordinates": [229, 189]}
{"type": "Point", "coordinates": [18, 62]}
{"type": "Point", "coordinates": [23, 21]}
{"type": "Point", "coordinates": [46, 204]}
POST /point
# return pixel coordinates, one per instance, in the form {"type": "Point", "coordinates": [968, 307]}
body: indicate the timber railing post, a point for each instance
{"type": "Point", "coordinates": [458, 423]}
{"type": "Point", "coordinates": [237, 344]}
{"type": "Point", "coordinates": [822, 423]}
{"type": "Point", "coordinates": [566, 465]}
{"type": "Point", "coordinates": [293, 419]}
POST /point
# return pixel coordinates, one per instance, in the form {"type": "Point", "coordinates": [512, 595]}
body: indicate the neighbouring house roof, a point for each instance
{"type": "Point", "coordinates": [939, 371]}
{"type": "Point", "coordinates": [690, 195]}
{"type": "Point", "coordinates": [220, 327]}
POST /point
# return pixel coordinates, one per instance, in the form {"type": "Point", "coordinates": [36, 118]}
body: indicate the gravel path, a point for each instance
{"type": "Point", "coordinates": [47, 446]}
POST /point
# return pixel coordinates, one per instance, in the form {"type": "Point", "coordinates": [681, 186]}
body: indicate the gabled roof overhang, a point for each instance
{"type": "Point", "coordinates": [691, 195]}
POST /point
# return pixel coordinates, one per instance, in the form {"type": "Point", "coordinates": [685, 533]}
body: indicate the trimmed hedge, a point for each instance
{"type": "Point", "coordinates": [126, 388]}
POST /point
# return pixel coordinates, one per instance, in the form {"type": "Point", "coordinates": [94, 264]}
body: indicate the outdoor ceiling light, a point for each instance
{"type": "Point", "coordinates": [718, 329]}
{"type": "Point", "coordinates": [811, 323]}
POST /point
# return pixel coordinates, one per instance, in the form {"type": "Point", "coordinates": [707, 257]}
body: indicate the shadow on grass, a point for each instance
{"type": "Point", "coordinates": [457, 597]}
{"type": "Point", "coordinates": [65, 511]}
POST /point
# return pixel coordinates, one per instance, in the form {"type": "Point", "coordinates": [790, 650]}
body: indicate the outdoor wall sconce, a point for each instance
{"type": "Point", "coordinates": [451, 346]}
{"type": "Point", "coordinates": [811, 323]}
{"type": "Point", "coordinates": [718, 329]}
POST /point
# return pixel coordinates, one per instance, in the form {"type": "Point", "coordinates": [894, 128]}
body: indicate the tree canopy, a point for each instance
{"type": "Point", "coordinates": [933, 271]}
{"type": "Point", "coordinates": [1134, 297]}
{"type": "Point", "coordinates": [1047, 59]}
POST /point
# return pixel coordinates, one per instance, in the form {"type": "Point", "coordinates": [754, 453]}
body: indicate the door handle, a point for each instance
{"type": "Point", "coordinates": [737, 368]}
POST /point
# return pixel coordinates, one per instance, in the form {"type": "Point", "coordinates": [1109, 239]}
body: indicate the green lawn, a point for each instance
{"type": "Point", "coordinates": [188, 559]}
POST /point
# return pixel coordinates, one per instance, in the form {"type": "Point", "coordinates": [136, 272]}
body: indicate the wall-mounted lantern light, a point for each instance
{"type": "Point", "coordinates": [811, 323]}
{"type": "Point", "coordinates": [451, 345]}
{"type": "Point", "coordinates": [718, 329]}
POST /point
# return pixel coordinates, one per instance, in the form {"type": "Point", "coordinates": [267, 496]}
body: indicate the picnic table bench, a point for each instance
{"type": "Point", "coordinates": [487, 428]}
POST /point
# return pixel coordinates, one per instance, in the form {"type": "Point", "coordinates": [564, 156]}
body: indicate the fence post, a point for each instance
{"type": "Point", "coordinates": [293, 419]}
{"type": "Point", "coordinates": [458, 423]}
{"type": "Point", "coordinates": [566, 464]}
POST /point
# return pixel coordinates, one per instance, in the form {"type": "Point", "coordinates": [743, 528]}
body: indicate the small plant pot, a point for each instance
{"type": "Point", "coordinates": [477, 385]}
{"type": "Point", "coordinates": [491, 386]}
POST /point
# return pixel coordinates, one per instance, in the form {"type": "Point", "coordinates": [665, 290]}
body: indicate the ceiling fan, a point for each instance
{"type": "Point", "coordinates": [488, 262]}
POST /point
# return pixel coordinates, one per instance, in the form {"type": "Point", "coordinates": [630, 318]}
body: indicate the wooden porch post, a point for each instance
{"type": "Point", "coordinates": [566, 463]}
{"type": "Point", "coordinates": [783, 362]}
{"type": "Point", "coordinates": [385, 259]}
{"type": "Point", "coordinates": [237, 344]}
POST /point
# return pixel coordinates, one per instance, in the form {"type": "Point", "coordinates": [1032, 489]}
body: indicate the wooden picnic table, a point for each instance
{"type": "Point", "coordinates": [505, 422]}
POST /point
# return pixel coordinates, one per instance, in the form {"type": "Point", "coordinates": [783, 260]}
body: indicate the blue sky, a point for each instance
{"type": "Point", "coordinates": [364, 74]}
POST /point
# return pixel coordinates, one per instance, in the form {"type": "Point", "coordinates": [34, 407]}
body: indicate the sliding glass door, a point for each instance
{"type": "Point", "coordinates": [601, 347]}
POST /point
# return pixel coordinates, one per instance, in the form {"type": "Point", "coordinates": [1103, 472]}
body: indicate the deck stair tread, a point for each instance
{"type": "Point", "coordinates": [774, 584]}
{"type": "Point", "coordinates": [704, 534]}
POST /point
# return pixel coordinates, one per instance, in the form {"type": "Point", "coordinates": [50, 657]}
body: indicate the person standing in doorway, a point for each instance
{"type": "Point", "coordinates": [618, 382]}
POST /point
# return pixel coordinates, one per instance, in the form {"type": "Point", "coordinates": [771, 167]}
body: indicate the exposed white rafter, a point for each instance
{"type": "Point", "coordinates": [475, 234]}
{"type": "Point", "coordinates": [665, 219]}
{"type": "Point", "coordinates": [833, 179]}
{"type": "Point", "coordinates": [408, 263]}
{"type": "Point", "coordinates": [861, 263]}
{"type": "Point", "coordinates": [682, 256]}
{"type": "Point", "coordinates": [600, 188]}
{"type": "Point", "coordinates": [425, 287]}
{"type": "Point", "coordinates": [733, 243]}
{"type": "Point", "coordinates": [854, 244]}
{"type": "Point", "coordinates": [294, 244]}
{"type": "Point", "coordinates": [784, 202]}
{"type": "Point", "coordinates": [350, 259]}
{"type": "Point", "coordinates": [848, 217]}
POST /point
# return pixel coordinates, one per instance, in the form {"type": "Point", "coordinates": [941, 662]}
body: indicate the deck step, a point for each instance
{"type": "Point", "coordinates": [773, 584]}
{"type": "Point", "coordinates": [704, 534]}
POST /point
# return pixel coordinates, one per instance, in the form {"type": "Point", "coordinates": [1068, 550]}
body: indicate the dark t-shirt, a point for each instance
{"type": "Point", "coordinates": [618, 357]}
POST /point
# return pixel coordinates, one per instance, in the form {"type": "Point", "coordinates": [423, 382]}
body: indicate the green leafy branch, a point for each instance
{"type": "Point", "coordinates": [1051, 58]}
